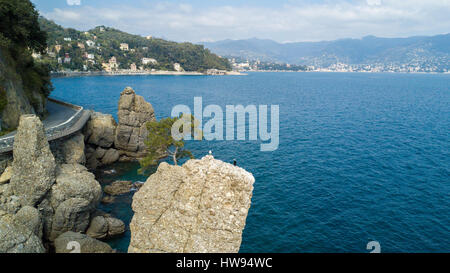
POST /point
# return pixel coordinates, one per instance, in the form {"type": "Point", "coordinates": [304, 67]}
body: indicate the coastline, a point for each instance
{"type": "Point", "coordinates": [66, 74]}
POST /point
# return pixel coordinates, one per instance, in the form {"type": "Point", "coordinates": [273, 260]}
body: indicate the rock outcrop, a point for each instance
{"type": "Point", "coordinates": [19, 237]}
{"type": "Point", "coordinates": [33, 168]}
{"type": "Point", "coordinates": [201, 207]}
{"type": "Point", "coordinates": [73, 242]}
{"type": "Point", "coordinates": [100, 130]}
{"type": "Point", "coordinates": [6, 176]}
{"type": "Point", "coordinates": [71, 201]}
{"type": "Point", "coordinates": [13, 95]}
{"type": "Point", "coordinates": [118, 187]}
{"type": "Point", "coordinates": [69, 150]}
{"type": "Point", "coordinates": [105, 226]}
{"type": "Point", "coordinates": [134, 113]}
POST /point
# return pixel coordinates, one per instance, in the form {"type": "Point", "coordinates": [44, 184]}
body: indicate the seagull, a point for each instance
{"type": "Point", "coordinates": [210, 152]}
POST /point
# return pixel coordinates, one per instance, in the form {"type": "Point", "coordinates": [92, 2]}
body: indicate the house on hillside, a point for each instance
{"type": "Point", "coordinates": [67, 59]}
{"type": "Point", "coordinates": [90, 43]}
{"type": "Point", "coordinates": [124, 47]}
{"type": "Point", "coordinates": [58, 48]}
{"type": "Point", "coordinates": [177, 67]}
{"type": "Point", "coordinates": [111, 65]}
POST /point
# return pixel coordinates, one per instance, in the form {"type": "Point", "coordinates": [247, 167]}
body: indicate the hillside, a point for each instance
{"type": "Point", "coordinates": [70, 49]}
{"type": "Point", "coordinates": [427, 54]}
{"type": "Point", "coordinates": [24, 83]}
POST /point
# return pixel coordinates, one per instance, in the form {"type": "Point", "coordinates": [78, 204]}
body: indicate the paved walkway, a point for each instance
{"type": "Point", "coordinates": [63, 119]}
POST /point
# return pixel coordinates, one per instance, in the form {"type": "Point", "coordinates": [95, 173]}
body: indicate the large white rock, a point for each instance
{"type": "Point", "coordinates": [199, 207]}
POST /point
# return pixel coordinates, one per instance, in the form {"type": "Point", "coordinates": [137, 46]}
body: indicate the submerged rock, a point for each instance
{"type": "Point", "coordinates": [201, 207]}
{"type": "Point", "coordinates": [33, 168]}
{"type": "Point", "coordinates": [70, 241]}
{"type": "Point", "coordinates": [134, 113]}
{"type": "Point", "coordinates": [118, 187]}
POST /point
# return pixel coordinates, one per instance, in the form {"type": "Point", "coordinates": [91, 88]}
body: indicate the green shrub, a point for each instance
{"type": "Point", "coordinates": [3, 99]}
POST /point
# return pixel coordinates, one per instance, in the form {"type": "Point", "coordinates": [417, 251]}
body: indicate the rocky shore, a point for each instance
{"type": "Point", "coordinates": [49, 198]}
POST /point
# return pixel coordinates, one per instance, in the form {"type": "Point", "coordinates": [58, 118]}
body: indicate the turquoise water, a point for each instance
{"type": "Point", "coordinates": [362, 157]}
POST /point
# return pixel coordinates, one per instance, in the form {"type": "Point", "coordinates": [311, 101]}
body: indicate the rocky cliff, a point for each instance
{"type": "Point", "coordinates": [134, 113]}
{"type": "Point", "coordinates": [41, 200]}
{"type": "Point", "coordinates": [201, 207]}
{"type": "Point", "coordinates": [14, 100]}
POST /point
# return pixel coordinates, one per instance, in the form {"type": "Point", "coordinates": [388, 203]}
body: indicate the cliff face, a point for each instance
{"type": "Point", "coordinates": [199, 207]}
{"type": "Point", "coordinates": [14, 101]}
{"type": "Point", "coordinates": [134, 113]}
{"type": "Point", "coordinates": [43, 198]}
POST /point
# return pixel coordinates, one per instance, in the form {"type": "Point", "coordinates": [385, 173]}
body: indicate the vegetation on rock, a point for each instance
{"type": "Point", "coordinates": [160, 139]}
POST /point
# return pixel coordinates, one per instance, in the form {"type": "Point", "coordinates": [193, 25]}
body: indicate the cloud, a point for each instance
{"type": "Point", "coordinates": [74, 2]}
{"type": "Point", "coordinates": [294, 21]}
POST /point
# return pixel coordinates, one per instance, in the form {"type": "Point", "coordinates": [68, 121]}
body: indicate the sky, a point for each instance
{"type": "Point", "coordinates": [279, 20]}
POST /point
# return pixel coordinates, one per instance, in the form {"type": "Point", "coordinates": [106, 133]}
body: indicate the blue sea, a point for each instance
{"type": "Point", "coordinates": [362, 157]}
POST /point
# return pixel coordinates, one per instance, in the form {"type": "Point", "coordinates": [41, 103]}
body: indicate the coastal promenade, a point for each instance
{"type": "Point", "coordinates": [64, 119]}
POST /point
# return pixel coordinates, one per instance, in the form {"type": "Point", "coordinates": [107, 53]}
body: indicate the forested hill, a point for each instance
{"type": "Point", "coordinates": [78, 50]}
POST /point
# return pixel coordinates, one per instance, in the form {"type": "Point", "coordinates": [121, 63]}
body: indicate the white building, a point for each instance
{"type": "Point", "coordinates": [177, 67]}
{"type": "Point", "coordinates": [146, 61]}
{"type": "Point", "coordinates": [90, 43]}
{"type": "Point", "coordinates": [124, 47]}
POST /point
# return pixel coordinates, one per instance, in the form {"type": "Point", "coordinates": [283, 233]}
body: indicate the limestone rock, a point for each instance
{"type": "Point", "coordinates": [74, 181]}
{"type": "Point", "coordinates": [72, 198]}
{"type": "Point", "coordinates": [115, 226]}
{"type": "Point", "coordinates": [102, 227]}
{"type": "Point", "coordinates": [201, 207]}
{"type": "Point", "coordinates": [134, 113]}
{"type": "Point", "coordinates": [6, 176]}
{"type": "Point", "coordinates": [67, 243]}
{"type": "Point", "coordinates": [118, 187]}
{"type": "Point", "coordinates": [99, 153]}
{"type": "Point", "coordinates": [30, 218]}
{"type": "Point", "coordinates": [110, 156]}
{"type": "Point", "coordinates": [92, 163]}
{"type": "Point", "coordinates": [70, 150]}
{"type": "Point", "coordinates": [71, 215]}
{"type": "Point", "coordinates": [100, 130]}
{"type": "Point", "coordinates": [17, 238]}
{"type": "Point", "coordinates": [34, 165]}
{"type": "Point", "coordinates": [98, 228]}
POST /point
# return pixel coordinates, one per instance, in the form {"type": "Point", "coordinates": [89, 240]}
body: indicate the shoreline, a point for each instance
{"type": "Point", "coordinates": [361, 72]}
{"type": "Point", "coordinates": [68, 74]}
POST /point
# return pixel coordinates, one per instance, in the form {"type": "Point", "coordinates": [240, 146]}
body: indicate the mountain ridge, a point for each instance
{"type": "Point", "coordinates": [426, 52]}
